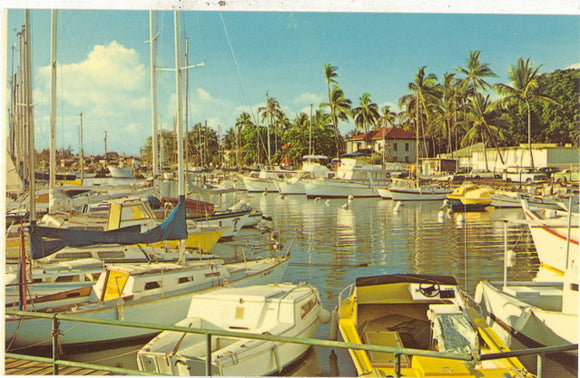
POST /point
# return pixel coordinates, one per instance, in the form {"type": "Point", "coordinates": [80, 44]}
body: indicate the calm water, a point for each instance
{"type": "Point", "coordinates": [334, 245]}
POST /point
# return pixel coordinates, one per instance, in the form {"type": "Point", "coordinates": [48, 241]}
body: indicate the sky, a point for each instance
{"type": "Point", "coordinates": [104, 71]}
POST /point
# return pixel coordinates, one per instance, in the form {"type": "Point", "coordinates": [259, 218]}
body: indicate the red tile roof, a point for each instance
{"type": "Point", "coordinates": [390, 133]}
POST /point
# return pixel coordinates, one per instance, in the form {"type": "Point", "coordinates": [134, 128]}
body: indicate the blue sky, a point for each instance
{"type": "Point", "coordinates": [104, 62]}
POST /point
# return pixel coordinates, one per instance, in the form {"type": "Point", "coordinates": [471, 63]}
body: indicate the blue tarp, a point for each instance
{"type": "Point", "coordinates": [172, 228]}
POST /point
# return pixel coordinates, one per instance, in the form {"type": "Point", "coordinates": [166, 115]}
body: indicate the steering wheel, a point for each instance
{"type": "Point", "coordinates": [428, 290]}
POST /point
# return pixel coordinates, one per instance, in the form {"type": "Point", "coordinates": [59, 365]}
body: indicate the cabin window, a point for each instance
{"type": "Point", "coordinates": [69, 278]}
{"type": "Point", "coordinates": [111, 254]}
{"type": "Point", "coordinates": [185, 279]}
{"type": "Point", "coordinates": [152, 285]}
{"type": "Point", "coordinates": [73, 255]}
{"type": "Point", "coordinates": [574, 287]}
{"type": "Point", "coordinates": [92, 276]}
{"type": "Point", "coordinates": [307, 307]}
{"type": "Point", "coordinates": [134, 212]}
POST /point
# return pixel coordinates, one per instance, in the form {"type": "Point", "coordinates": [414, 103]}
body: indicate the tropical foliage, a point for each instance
{"type": "Point", "coordinates": [460, 109]}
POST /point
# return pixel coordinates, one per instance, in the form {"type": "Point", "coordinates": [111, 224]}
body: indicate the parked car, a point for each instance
{"type": "Point", "coordinates": [525, 175]}
{"type": "Point", "coordinates": [549, 170]}
{"type": "Point", "coordinates": [482, 174]}
{"type": "Point", "coordinates": [567, 175]}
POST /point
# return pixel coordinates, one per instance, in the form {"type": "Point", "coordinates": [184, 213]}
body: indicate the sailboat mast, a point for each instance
{"type": "Point", "coordinates": [52, 174]}
{"type": "Point", "coordinates": [180, 170]}
{"type": "Point", "coordinates": [153, 74]}
{"type": "Point", "coordinates": [81, 151]}
{"type": "Point", "coordinates": [179, 118]}
{"type": "Point", "coordinates": [29, 118]}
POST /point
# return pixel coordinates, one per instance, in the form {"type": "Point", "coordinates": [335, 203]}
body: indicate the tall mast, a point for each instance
{"type": "Point", "coordinates": [179, 118]}
{"type": "Point", "coordinates": [153, 73]}
{"type": "Point", "coordinates": [28, 116]}
{"type": "Point", "coordinates": [53, 33]}
{"type": "Point", "coordinates": [81, 151]}
{"type": "Point", "coordinates": [180, 171]}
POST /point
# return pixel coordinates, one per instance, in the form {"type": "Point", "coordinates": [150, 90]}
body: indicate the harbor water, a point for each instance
{"type": "Point", "coordinates": [332, 242]}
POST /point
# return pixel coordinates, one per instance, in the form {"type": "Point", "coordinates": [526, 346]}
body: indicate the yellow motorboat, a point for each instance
{"type": "Point", "coordinates": [420, 312]}
{"type": "Point", "coordinates": [470, 197]}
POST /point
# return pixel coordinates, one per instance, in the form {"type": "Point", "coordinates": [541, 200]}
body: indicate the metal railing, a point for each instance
{"type": "Point", "coordinates": [397, 352]}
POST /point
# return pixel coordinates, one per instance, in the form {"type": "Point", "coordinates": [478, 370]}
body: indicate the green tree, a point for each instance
{"type": "Point", "coordinates": [338, 103]}
{"type": "Point", "coordinates": [475, 72]}
{"type": "Point", "coordinates": [524, 88]}
{"type": "Point", "coordinates": [483, 121]}
{"type": "Point", "coordinates": [366, 114]}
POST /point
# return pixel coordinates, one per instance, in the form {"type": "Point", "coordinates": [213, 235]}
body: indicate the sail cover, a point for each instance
{"type": "Point", "coordinates": [172, 228]}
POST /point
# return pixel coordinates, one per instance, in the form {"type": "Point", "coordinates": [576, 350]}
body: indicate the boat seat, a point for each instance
{"type": "Point", "coordinates": [431, 366]}
{"type": "Point", "coordinates": [385, 338]}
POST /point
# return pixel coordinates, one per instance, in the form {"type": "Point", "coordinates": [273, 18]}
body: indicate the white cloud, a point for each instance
{"type": "Point", "coordinates": [573, 66]}
{"type": "Point", "coordinates": [110, 75]}
{"type": "Point", "coordinates": [308, 98]}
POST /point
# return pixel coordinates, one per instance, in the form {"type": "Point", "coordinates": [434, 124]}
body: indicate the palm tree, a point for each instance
{"type": "Point", "coordinates": [446, 108]}
{"type": "Point", "coordinates": [366, 114]}
{"type": "Point", "coordinates": [425, 90]}
{"type": "Point", "coordinates": [272, 112]}
{"type": "Point", "coordinates": [387, 118]}
{"type": "Point", "coordinates": [475, 72]}
{"type": "Point", "coordinates": [482, 120]}
{"type": "Point", "coordinates": [330, 76]}
{"type": "Point", "coordinates": [524, 79]}
{"type": "Point", "coordinates": [340, 110]}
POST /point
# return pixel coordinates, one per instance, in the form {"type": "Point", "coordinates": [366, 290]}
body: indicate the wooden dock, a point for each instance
{"type": "Point", "coordinates": [14, 366]}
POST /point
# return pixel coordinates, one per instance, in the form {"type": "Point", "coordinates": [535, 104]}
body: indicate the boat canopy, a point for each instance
{"type": "Point", "coordinates": [172, 228]}
{"type": "Point", "coordinates": [409, 278]}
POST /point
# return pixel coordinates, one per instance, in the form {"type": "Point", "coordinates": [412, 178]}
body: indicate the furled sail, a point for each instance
{"type": "Point", "coordinates": [172, 228]}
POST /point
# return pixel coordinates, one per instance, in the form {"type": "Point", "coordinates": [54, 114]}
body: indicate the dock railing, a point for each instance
{"type": "Point", "coordinates": [398, 352]}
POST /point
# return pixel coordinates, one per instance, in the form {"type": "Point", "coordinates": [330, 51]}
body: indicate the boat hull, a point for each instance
{"type": "Point", "coordinates": [338, 189]}
{"type": "Point", "coordinates": [24, 332]}
{"type": "Point", "coordinates": [417, 195]}
{"type": "Point", "coordinates": [514, 310]}
{"type": "Point", "coordinates": [256, 185]}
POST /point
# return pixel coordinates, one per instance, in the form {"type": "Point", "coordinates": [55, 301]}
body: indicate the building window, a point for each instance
{"type": "Point", "coordinates": [406, 146]}
{"type": "Point", "coordinates": [394, 146]}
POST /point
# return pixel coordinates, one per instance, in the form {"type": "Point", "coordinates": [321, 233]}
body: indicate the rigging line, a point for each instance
{"type": "Point", "coordinates": [241, 84]}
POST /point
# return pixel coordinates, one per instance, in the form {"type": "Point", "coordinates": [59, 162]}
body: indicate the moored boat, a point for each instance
{"type": "Point", "coordinates": [423, 312]}
{"type": "Point", "coordinates": [555, 236]}
{"type": "Point", "coordinates": [412, 190]}
{"type": "Point", "coordinates": [276, 309]}
{"type": "Point", "coordinates": [537, 314]}
{"type": "Point", "coordinates": [469, 197]}
{"type": "Point", "coordinates": [313, 166]}
{"type": "Point", "coordinates": [353, 177]}
{"type": "Point", "coordinates": [148, 293]}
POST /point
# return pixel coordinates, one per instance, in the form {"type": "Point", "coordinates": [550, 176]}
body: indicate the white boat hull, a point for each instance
{"type": "Point", "coordinates": [331, 188]}
{"type": "Point", "coordinates": [291, 187]}
{"type": "Point", "coordinates": [418, 194]}
{"type": "Point", "coordinates": [254, 184]}
{"type": "Point", "coordinates": [121, 172]}
{"type": "Point", "coordinates": [280, 309]}
{"type": "Point", "coordinates": [543, 323]}
{"type": "Point", "coordinates": [36, 331]}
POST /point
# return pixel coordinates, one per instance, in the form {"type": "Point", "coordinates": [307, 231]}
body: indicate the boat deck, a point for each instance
{"type": "Point", "coordinates": [15, 366]}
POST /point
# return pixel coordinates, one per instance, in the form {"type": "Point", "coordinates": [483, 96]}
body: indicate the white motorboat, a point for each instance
{"type": "Point", "coordinates": [353, 177]}
{"type": "Point", "coordinates": [265, 180]}
{"type": "Point", "coordinates": [149, 293]}
{"type": "Point", "coordinates": [412, 190]}
{"type": "Point", "coordinates": [534, 313]}
{"type": "Point", "coordinates": [121, 172]}
{"type": "Point", "coordinates": [555, 236]}
{"type": "Point", "coordinates": [313, 166]}
{"type": "Point", "coordinates": [277, 309]}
